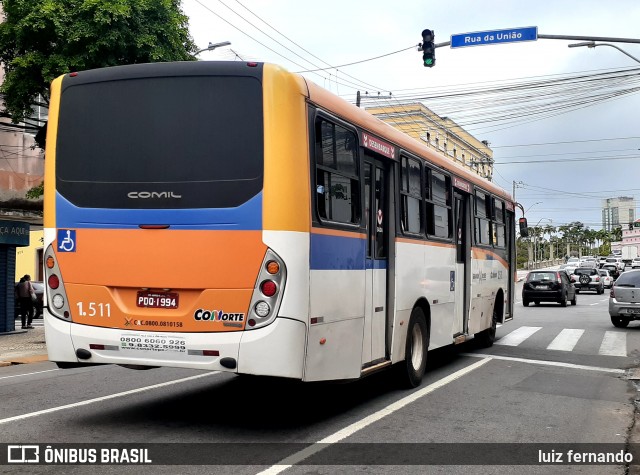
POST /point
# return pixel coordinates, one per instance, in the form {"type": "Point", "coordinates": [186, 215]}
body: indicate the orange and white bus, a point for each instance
{"type": "Point", "coordinates": [236, 217]}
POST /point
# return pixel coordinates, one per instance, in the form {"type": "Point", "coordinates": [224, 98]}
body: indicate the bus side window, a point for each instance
{"type": "Point", "coordinates": [482, 219]}
{"type": "Point", "coordinates": [411, 196]}
{"type": "Point", "coordinates": [498, 225]}
{"type": "Point", "coordinates": [439, 211]}
{"type": "Point", "coordinates": [337, 183]}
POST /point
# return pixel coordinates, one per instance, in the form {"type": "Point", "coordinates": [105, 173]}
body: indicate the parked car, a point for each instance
{"type": "Point", "coordinates": [38, 287]}
{"type": "Point", "coordinates": [635, 263]}
{"type": "Point", "coordinates": [624, 299]}
{"type": "Point", "coordinates": [607, 280]}
{"type": "Point", "coordinates": [548, 286]}
{"type": "Point", "coordinates": [587, 278]}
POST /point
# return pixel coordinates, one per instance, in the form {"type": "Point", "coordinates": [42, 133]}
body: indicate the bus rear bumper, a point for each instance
{"type": "Point", "coordinates": [275, 350]}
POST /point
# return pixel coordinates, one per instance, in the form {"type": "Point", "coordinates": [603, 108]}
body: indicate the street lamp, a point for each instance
{"type": "Point", "coordinates": [536, 203]}
{"type": "Point", "coordinates": [591, 44]}
{"type": "Point", "coordinates": [213, 46]}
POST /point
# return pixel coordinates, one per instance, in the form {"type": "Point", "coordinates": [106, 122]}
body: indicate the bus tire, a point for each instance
{"type": "Point", "coordinates": [412, 369]}
{"type": "Point", "coordinates": [486, 337]}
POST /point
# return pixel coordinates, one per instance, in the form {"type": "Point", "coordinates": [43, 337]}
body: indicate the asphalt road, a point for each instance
{"type": "Point", "coordinates": [555, 376]}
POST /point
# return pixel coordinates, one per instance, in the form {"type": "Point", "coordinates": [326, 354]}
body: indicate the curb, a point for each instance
{"type": "Point", "coordinates": [25, 360]}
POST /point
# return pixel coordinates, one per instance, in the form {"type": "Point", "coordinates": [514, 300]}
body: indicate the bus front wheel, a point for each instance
{"type": "Point", "coordinates": [415, 357]}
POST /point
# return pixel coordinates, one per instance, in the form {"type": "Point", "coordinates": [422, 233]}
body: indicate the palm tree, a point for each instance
{"type": "Point", "coordinates": [549, 229]}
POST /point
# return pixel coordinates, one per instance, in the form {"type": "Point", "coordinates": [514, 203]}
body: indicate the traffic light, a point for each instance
{"type": "Point", "coordinates": [428, 48]}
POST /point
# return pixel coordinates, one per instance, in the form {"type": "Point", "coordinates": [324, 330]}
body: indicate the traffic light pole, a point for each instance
{"type": "Point", "coordinates": [589, 38]}
{"type": "Point", "coordinates": [591, 44]}
{"type": "Point", "coordinates": [570, 37]}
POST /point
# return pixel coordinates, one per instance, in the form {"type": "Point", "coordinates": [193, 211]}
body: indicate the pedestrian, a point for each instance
{"type": "Point", "coordinates": [26, 296]}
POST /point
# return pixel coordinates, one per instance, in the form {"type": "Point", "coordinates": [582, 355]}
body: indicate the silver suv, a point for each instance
{"type": "Point", "coordinates": [587, 278]}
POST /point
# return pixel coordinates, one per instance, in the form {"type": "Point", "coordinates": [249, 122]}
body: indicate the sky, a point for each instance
{"type": "Point", "coordinates": [598, 125]}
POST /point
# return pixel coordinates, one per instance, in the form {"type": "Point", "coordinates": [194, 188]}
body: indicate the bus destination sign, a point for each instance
{"type": "Point", "coordinates": [379, 146]}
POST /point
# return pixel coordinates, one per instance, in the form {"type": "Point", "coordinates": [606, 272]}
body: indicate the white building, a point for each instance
{"type": "Point", "coordinates": [618, 212]}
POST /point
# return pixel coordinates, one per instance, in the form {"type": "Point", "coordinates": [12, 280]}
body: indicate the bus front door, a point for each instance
{"type": "Point", "coordinates": [376, 262]}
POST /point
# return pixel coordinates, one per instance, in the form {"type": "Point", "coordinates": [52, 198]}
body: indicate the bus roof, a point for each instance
{"type": "Point", "coordinates": [353, 114]}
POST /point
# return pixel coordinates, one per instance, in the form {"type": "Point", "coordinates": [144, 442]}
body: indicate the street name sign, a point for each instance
{"type": "Point", "coordinates": [481, 38]}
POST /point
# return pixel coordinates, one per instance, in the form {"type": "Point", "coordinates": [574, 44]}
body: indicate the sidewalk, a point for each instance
{"type": "Point", "coordinates": [23, 346]}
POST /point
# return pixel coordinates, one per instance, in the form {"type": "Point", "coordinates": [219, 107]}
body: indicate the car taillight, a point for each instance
{"type": "Point", "coordinates": [612, 294]}
{"type": "Point", "coordinates": [559, 280]}
{"type": "Point", "coordinates": [597, 278]}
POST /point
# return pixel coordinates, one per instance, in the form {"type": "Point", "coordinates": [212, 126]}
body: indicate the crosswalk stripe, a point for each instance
{"type": "Point", "coordinates": [517, 336]}
{"type": "Point", "coordinates": [614, 344]}
{"type": "Point", "coordinates": [566, 340]}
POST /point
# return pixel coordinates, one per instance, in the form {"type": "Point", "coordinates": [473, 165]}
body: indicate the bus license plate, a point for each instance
{"type": "Point", "coordinates": [157, 299]}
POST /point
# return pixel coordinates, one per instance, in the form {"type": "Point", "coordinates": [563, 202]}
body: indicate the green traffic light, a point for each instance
{"type": "Point", "coordinates": [428, 62]}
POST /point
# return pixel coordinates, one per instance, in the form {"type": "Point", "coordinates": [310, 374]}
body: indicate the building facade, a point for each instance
{"type": "Point", "coordinates": [440, 133]}
{"type": "Point", "coordinates": [21, 168]}
{"type": "Point", "coordinates": [618, 212]}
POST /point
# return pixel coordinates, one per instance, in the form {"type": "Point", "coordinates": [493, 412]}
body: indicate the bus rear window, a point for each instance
{"type": "Point", "coordinates": [185, 141]}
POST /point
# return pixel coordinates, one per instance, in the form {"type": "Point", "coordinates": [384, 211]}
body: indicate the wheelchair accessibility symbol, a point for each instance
{"type": "Point", "coordinates": [66, 240]}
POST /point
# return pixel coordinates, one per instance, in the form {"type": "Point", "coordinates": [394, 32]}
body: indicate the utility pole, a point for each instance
{"type": "Point", "coordinates": [516, 184]}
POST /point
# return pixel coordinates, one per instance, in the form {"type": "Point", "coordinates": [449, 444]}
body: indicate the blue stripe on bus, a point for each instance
{"type": "Point", "coordinates": [341, 253]}
{"type": "Point", "coordinates": [376, 264]}
{"type": "Point", "coordinates": [246, 217]}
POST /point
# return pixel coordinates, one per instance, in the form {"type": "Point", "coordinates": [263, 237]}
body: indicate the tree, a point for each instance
{"type": "Point", "coordinates": [42, 39]}
{"type": "Point", "coordinates": [616, 234]}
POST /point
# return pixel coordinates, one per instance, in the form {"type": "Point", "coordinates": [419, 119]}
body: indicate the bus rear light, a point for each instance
{"type": "Point", "coordinates": [58, 301]}
{"type": "Point", "coordinates": [53, 281]}
{"type": "Point", "coordinates": [98, 346]}
{"type": "Point", "coordinates": [55, 293]}
{"type": "Point", "coordinates": [268, 288]}
{"type": "Point", "coordinates": [262, 309]}
{"type": "Point", "coordinates": [267, 292]}
{"type": "Point", "coordinates": [273, 267]}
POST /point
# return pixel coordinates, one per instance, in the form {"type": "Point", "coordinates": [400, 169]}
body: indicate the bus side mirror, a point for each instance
{"type": "Point", "coordinates": [524, 230]}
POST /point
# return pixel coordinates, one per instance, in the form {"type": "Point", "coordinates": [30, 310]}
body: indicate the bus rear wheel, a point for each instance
{"type": "Point", "coordinates": [411, 370]}
{"type": "Point", "coordinates": [486, 337]}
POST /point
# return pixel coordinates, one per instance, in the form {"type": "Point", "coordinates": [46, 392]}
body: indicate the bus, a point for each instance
{"type": "Point", "coordinates": [233, 216]}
